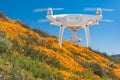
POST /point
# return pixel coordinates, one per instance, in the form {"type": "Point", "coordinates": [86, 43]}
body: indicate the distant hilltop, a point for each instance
{"type": "Point", "coordinates": [117, 55]}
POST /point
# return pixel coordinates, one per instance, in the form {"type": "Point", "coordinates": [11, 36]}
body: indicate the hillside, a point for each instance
{"type": "Point", "coordinates": [27, 54]}
{"type": "Point", "coordinates": [117, 55]}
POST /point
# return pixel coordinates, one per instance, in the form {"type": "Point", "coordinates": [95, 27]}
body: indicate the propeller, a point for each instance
{"type": "Point", "coordinates": [45, 9]}
{"type": "Point", "coordinates": [93, 9]}
{"type": "Point", "coordinates": [43, 20]}
{"type": "Point", "coordinates": [106, 20]}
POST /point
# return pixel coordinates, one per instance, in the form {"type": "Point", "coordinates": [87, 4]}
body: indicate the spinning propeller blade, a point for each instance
{"type": "Point", "coordinates": [106, 20]}
{"type": "Point", "coordinates": [43, 20]}
{"type": "Point", "coordinates": [58, 8]}
{"type": "Point", "coordinates": [45, 9]}
{"type": "Point", "coordinates": [93, 9]}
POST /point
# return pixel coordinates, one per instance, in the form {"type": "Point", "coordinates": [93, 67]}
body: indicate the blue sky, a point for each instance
{"type": "Point", "coordinates": [105, 37]}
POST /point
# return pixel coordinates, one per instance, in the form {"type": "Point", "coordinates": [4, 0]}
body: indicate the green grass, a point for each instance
{"type": "Point", "coordinates": [20, 67]}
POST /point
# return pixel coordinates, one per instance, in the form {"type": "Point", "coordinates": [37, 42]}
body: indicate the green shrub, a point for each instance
{"type": "Point", "coordinates": [88, 75]}
{"type": "Point", "coordinates": [97, 69]}
{"type": "Point", "coordinates": [84, 64]}
{"type": "Point", "coordinates": [110, 74]}
{"type": "Point", "coordinates": [4, 43]}
{"type": "Point", "coordinates": [23, 24]}
{"type": "Point", "coordinates": [43, 34]}
{"type": "Point", "coordinates": [112, 65]}
{"type": "Point", "coordinates": [2, 15]}
{"type": "Point", "coordinates": [2, 34]}
{"type": "Point", "coordinates": [112, 58]}
{"type": "Point", "coordinates": [24, 68]}
{"type": "Point", "coordinates": [104, 54]}
{"type": "Point", "coordinates": [58, 76]}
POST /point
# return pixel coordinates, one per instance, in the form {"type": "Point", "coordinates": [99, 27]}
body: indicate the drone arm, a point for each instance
{"type": "Point", "coordinates": [86, 29]}
{"type": "Point", "coordinates": [60, 35]}
{"type": "Point", "coordinates": [50, 17]}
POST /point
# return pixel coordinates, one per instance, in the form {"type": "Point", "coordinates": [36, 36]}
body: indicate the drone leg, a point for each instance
{"type": "Point", "coordinates": [60, 35]}
{"type": "Point", "coordinates": [87, 36]}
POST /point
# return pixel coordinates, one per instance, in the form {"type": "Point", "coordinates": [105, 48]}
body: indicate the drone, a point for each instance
{"type": "Point", "coordinates": [74, 22]}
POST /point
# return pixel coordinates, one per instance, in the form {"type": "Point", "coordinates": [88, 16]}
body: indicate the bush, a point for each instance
{"type": "Point", "coordinates": [97, 69]}
{"type": "Point", "coordinates": [112, 58]}
{"type": "Point", "coordinates": [23, 68]}
{"type": "Point", "coordinates": [2, 34]}
{"type": "Point", "coordinates": [110, 74]}
{"type": "Point", "coordinates": [112, 65]}
{"type": "Point", "coordinates": [43, 34]}
{"type": "Point", "coordinates": [2, 15]}
{"type": "Point", "coordinates": [4, 43]}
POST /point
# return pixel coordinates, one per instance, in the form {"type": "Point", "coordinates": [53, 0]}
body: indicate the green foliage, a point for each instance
{"type": "Point", "coordinates": [43, 57]}
{"type": "Point", "coordinates": [112, 58]}
{"type": "Point", "coordinates": [75, 54]}
{"type": "Point", "coordinates": [109, 74]}
{"type": "Point", "coordinates": [97, 69]}
{"type": "Point", "coordinates": [88, 75]}
{"type": "Point", "coordinates": [23, 68]}
{"type": "Point", "coordinates": [2, 34]}
{"type": "Point", "coordinates": [43, 34]}
{"type": "Point", "coordinates": [100, 53]}
{"type": "Point", "coordinates": [22, 24]}
{"type": "Point", "coordinates": [4, 43]}
{"type": "Point", "coordinates": [58, 76]}
{"type": "Point", "coordinates": [112, 65]}
{"type": "Point", "coordinates": [84, 64]}
{"type": "Point", "coordinates": [3, 16]}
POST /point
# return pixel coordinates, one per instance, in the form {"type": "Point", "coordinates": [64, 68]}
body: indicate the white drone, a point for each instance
{"type": "Point", "coordinates": [74, 22]}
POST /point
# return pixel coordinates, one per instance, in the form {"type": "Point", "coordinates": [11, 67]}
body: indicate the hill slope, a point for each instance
{"type": "Point", "coordinates": [117, 55]}
{"type": "Point", "coordinates": [33, 54]}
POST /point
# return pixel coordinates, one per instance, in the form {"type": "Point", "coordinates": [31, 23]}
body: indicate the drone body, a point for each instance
{"type": "Point", "coordinates": [74, 22]}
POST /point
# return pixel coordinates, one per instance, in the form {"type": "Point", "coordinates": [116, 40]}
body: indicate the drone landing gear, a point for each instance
{"type": "Point", "coordinates": [86, 29]}
{"type": "Point", "coordinates": [74, 39]}
{"type": "Point", "coordinates": [60, 35]}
